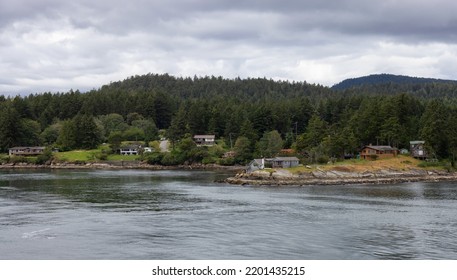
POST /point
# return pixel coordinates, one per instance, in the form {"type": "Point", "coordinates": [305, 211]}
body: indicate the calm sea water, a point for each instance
{"type": "Point", "coordinates": [135, 214]}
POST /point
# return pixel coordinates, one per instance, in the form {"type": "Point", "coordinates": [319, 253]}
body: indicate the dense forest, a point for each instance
{"type": "Point", "coordinates": [253, 117]}
{"type": "Point", "coordinates": [383, 79]}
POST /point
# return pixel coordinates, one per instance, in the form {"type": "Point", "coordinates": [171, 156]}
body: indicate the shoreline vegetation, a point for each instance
{"type": "Point", "coordinates": [401, 169]}
{"type": "Point", "coordinates": [157, 121]}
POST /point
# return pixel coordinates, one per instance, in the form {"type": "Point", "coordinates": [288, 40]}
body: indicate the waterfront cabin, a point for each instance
{"type": "Point", "coordinates": [418, 149]}
{"type": "Point", "coordinates": [374, 152]}
{"type": "Point", "coordinates": [130, 150]}
{"type": "Point", "coordinates": [26, 151]}
{"type": "Point", "coordinates": [285, 162]}
{"type": "Point", "coordinates": [205, 140]}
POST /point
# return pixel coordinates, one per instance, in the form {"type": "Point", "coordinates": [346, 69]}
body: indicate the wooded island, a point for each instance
{"type": "Point", "coordinates": [249, 118]}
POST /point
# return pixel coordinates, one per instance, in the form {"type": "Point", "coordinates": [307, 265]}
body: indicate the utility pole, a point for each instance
{"type": "Point", "coordinates": [296, 130]}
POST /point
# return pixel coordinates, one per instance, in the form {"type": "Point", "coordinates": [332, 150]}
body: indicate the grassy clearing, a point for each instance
{"type": "Point", "coordinates": [77, 155]}
{"type": "Point", "coordinates": [89, 156]}
{"type": "Point", "coordinates": [400, 162]}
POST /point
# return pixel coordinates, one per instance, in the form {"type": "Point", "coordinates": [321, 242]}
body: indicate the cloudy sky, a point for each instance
{"type": "Point", "coordinates": [55, 45]}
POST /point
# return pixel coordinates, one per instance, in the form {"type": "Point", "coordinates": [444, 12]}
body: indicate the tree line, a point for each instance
{"type": "Point", "coordinates": [254, 117]}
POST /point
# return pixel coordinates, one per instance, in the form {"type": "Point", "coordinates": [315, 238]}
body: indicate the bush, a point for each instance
{"type": "Point", "coordinates": [4, 159]}
{"type": "Point", "coordinates": [425, 164]}
{"type": "Point", "coordinates": [153, 158]}
{"type": "Point", "coordinates": [209, 160]}
{"type": "Point", "coordinates": [21, 159]}
{"type": "Point", "coordinates": [446, 165]}
{"type": "Point", "coordinates": [322, 159]}
{"type": "Point", "coordinates": [172, 159]}
{"type": "Point", "coordinates": [45, 157]}
{"type": "Point", "coordinates": [226, 161]}
{"type": "Point", "coordinates": [103, 155]}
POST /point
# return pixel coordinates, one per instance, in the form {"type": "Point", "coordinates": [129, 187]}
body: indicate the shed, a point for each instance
{"type": "Point", "coordinates": [418, 149]}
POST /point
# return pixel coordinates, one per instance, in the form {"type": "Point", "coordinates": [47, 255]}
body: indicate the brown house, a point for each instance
{"type": "Point", "coordinates": [374, 152]}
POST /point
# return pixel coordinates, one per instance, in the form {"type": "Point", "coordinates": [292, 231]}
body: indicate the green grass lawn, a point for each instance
{"type": "Point", "coordinates": [89, 156]}
{"type": "Point", "coordinates": [77, 155]}
{"type": "Point", "coordinates": [400, 162]}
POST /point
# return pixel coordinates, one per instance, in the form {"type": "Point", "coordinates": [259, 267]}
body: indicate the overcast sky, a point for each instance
{"type": "Point", "coordinates": [55, 45]}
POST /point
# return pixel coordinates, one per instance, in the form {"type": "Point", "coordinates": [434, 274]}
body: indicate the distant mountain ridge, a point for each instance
{"type": "Point", "coordinates": [378, 79]}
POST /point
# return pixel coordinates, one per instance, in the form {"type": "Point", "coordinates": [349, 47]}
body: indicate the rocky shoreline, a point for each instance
{"type": "Point", "coordinates": [118, 165]}
{"type": "Point", "coordinates": [320, 177]}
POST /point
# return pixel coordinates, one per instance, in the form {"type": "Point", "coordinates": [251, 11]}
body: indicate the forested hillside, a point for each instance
{"type": "Point", "coordinates": [247, 113]}
{"type": "Point", "coordinates": [383, 79]}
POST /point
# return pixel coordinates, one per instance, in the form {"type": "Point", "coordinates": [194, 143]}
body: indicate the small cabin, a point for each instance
{"type": "Point", "coordinates": [205, 140]}
{"type": "Point", "coordinates": [285, 162]}
{"type": "Point", "coordinates": [418, 149]}
{"type": "Point", "coordinates": [374, 152]}
{"type": "Point", "coordinates": [26, 151]}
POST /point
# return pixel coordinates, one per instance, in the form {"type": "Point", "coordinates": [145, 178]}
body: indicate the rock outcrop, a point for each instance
{"type": "Point", "coordinates": [332, 177]}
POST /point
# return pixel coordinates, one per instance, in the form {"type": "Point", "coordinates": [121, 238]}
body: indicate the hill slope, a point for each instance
{"type": "Point", "coordinates": [378, 79]}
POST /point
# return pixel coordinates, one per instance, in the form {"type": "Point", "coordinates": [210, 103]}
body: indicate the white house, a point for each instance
{"type": "Point", "coordinates": [256, 164]}
{"type": "Point", "coordinates": [130, 150]}
{"type": "Point", "coordinates": [26, 151]}
{"type": "Point", "coordinates": [205, 140]}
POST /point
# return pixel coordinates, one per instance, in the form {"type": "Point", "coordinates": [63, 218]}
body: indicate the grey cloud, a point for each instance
{"type": "Point", "coordinates": [283, 39]}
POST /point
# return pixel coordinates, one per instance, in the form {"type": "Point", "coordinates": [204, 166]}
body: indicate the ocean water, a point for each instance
{"type": "Point", "coordinates": [135, 214]}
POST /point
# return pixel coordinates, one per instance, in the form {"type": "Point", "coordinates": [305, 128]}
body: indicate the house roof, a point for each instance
{"type": "Point", "coordinates": [256, 161]}
{"type": "Point", "coordinates": [416, 142]}
{"type": "Point", "coordinates": [381, 148]}
{"type": "Point", "coordinates": [130, 147]}
{"type": "Point", "coordinates": [285, 159]}
{"type": "Point", "coordinates": [204, 136]}
{"type": "Point", "coordinates": [24, 148]}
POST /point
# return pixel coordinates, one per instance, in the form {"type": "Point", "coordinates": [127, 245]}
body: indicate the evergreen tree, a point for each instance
{"type": "Point", "coordinates": [9, 127]}
{"type": "Point", "coordinates": [435, 128]}
{"type": "Point", "coordinates": [50, 134]}
{"type": "Point", "coordinates": [112, 123]}
{"type": "Point", "coordinates": [67, 136]}
{"type": "Point", "coordinates": [315, 133]}
{"type": "Point", "coordinates": [269, 145]}
{"type": "Point", "coordinates": [87, 134]}
{"type": "Point", "coordinates": [178, 127]}
{"type": "Point", "coordinates": [242, 150]}
{"type": "Point", "coordinates": [29, 133]}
